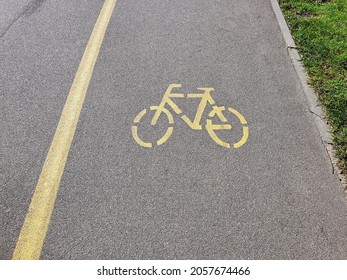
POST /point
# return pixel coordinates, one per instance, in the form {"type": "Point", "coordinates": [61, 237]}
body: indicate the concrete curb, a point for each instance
{"type": "Point", "coordinates": [314, 105]}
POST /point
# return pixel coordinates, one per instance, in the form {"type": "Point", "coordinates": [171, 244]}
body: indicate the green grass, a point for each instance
{"type": "Point", "coordinates": [319, 28]}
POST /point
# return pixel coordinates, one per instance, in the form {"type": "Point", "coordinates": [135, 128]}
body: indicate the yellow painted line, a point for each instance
{"type": "Point", "coordinates": [211, 128]}
{"type": "Point", "coordinates": [166, 136]}
{"type": "Point", "coordinates": [243, 139]}
{"type": "Point", "coordinates": [34, 229]}
{"type": "Point", "coordinates": [139, 116]}
{"type": "Point", "coordinates": [137, 138]}
{"type": "Point", "coordinates": [138, 119]}
{"type": "Point", "coordinates": [241, 118]}
{"type": "Point", "coordinates": [165, 111]}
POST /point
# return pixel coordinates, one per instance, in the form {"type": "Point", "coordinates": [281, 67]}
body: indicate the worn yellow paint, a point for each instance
{"type": "Point", "coordinates": [165, 111]}
{"type": "Point", "coordinates": [212, 127]}
{"type": "Point", "coordinates": [219, 112]}
{"type": "Point", "coordinates": [243, 139]}
{"type": "Point", "coordinates": [165, 137]}
{"type": "Point", "coordinates": [245, 129]}
{"type": "Point", "coordinates": [137, 138]}
{"type": "Point", "coordinates": [138, 119]}
{"type": "Point", "coordinates": [206, 98]}
{"type": "Point", "coordinates": [167, 100]}
{"type": "Point", "coordinates": [34, 229]}
{"type": "Point", "coordinates": [139, 116]}
{"type": "Point", "coordinates": [236, 113]}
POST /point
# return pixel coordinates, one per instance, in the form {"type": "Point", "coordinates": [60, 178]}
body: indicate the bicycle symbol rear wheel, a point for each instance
{"type": "Point", "coordinates": [163, 139]}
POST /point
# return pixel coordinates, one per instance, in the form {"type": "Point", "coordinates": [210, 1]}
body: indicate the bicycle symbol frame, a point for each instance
{"type": "Point", "coordinates": [206, 98]}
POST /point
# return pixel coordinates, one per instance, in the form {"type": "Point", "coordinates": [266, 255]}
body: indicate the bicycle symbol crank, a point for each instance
{"type": "Point", "coordinates": [206, 98]}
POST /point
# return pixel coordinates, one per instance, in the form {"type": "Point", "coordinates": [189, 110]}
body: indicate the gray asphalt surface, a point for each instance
{"type": "Point", "coordinates": [273, 198]}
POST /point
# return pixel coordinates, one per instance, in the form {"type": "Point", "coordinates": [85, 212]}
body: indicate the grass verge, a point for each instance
{"type": "Point", "coordinates": [319, 28]}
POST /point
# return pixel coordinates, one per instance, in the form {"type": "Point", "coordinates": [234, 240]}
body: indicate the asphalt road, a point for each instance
{"type": "Point", "coordinates": [275, 197]}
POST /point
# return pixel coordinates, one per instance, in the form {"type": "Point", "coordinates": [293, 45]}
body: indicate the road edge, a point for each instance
{"type": "Point", "coordinates": [314, 105]}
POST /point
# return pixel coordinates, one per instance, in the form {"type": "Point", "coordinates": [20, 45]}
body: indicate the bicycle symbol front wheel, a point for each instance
{"type": "Point", "coordinates": [211, 128]}
{"type": "Point", "coordinates": [163, 139]}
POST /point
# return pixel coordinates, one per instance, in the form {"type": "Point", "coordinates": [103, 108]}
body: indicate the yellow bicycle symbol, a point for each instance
{"type": "Point", "coordinates": [195, 124]}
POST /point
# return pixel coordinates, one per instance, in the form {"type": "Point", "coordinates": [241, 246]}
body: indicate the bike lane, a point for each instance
{"type": "Point", "coordinates": [39, 55]}
{"type": "Point", "coordinates": [189, 198]}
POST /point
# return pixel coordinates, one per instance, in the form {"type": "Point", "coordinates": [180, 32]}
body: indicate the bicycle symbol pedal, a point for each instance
{"type": "Point", "coordinates": [212, 128]}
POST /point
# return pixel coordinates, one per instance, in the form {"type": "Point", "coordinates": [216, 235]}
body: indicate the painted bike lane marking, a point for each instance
{"type": "Point", "coordinates": [206, 99]}
{"type": "Point", "coordinates": [34, 229]}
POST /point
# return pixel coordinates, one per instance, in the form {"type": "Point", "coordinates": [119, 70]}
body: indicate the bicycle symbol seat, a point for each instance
{"type": "Point", "coordinates": [206, 98]}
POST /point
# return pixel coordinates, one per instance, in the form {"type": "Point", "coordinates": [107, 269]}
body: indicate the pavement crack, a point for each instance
{"type": "Point", "coordinates": [292, 47]}
{"type": "Point", "coordinates": [325, 145]}
{"type": "Point", "coordinates": [27, 11]}
{"type": "Point", "coordinates": [32, 7]}
{"type": "Point", "coordinates": [10, 25]}
{"type": "Point", "coordinates": [330, 158]}
{"type": "Point", "coordinates": [316, 115]}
